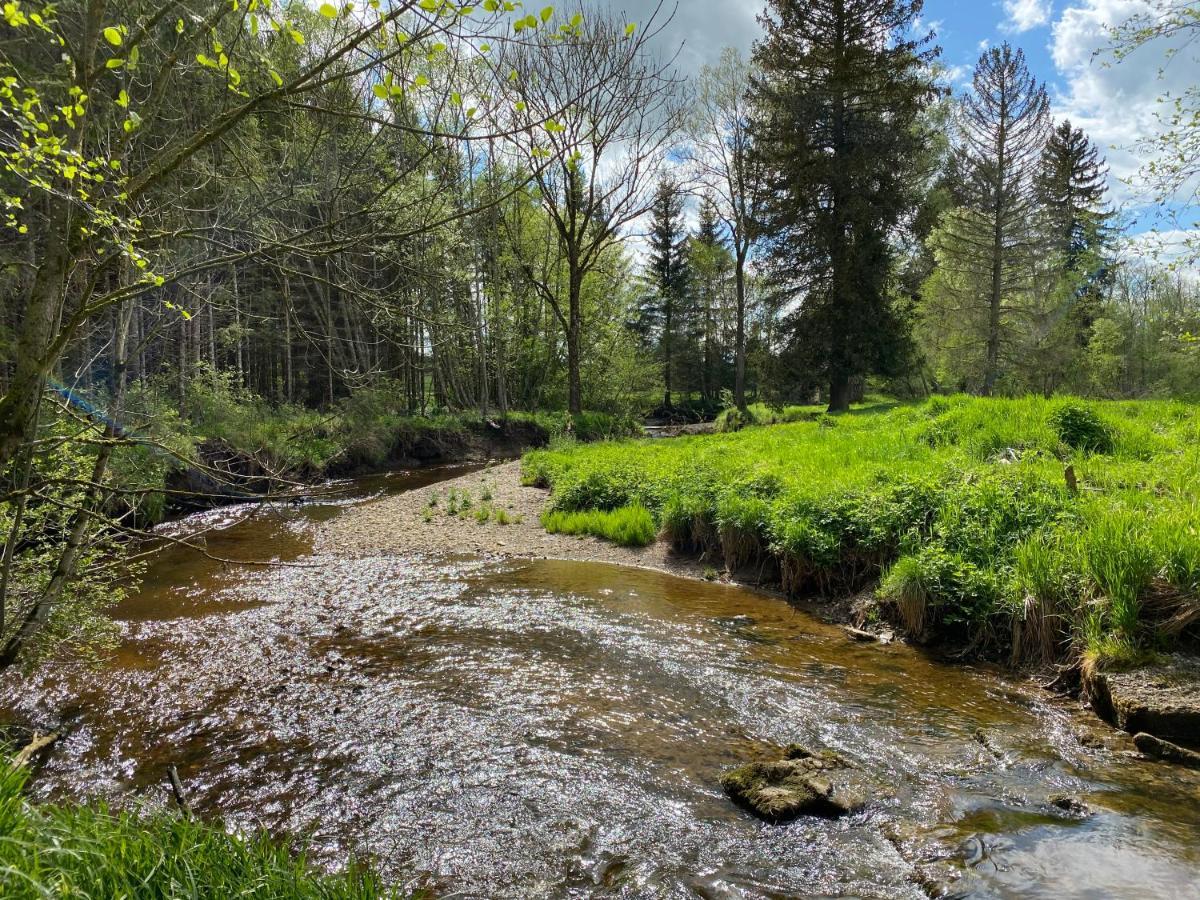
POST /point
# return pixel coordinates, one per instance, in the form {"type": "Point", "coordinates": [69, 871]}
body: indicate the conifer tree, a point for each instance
{"type": "Point", "coordinates": [663, 312]}
{"type": "Point", "coordinates": [989, 247]}
{"type": "Point", "coordinates": [710, 265]}
{"type": "Point", "coordinates": [1076, 220]}
{"type": "Point", "coordinates": [841, 89]}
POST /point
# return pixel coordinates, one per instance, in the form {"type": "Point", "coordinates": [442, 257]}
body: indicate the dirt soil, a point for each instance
{"type": "Point", "coordinates": [408, 523]}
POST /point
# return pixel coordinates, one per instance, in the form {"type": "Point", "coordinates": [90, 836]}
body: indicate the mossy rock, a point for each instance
{"type": "Point", "coordinates": [784, 789]}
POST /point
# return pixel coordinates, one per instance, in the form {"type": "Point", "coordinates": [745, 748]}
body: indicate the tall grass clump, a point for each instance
{"type": "Point", "coordinates": [629, 526]}
{"type": "Point", "coordinates": [1030, 528]}
{"type": "Point", "coordinates": [71, 850]}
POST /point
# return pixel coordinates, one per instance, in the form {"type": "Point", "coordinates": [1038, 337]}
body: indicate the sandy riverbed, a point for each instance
{"type": "Point", "coordinates": [407, 523]}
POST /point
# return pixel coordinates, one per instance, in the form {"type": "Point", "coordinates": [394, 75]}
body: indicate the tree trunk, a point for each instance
{"type": "Point", "coordinates": [38, 323]}
{"type": "Point", "coordinates": [840, 393]}
{"type": "Point", "coordinates": [574, 329]}
{"type": "Point", "coordinates": [992, 366]}
{"type": "Point", "coordinates": [739, 375]}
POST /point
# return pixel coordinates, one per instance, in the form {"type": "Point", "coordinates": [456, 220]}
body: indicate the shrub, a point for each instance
{"type": "Point", "coordinates": [1080, 428]}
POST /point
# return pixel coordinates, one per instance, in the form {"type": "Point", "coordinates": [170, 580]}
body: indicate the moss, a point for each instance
{"type": "Point", "coordinates": [784, 789]}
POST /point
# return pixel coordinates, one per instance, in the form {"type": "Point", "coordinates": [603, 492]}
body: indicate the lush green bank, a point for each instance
{"type": "Point", "coordinates": [68, 850]}
{"type": "Point", "coordinates": [1037, 529]}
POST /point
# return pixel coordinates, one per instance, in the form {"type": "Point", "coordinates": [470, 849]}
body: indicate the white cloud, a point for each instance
{"type": "Point", "coordinates": [1025, 15]}
{"type": "Point", "coordinates": [1116, 103]}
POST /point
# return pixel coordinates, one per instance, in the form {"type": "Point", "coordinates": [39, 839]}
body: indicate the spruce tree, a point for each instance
{"type": "Point", "coordinates": [841, 89]}
{"type": "Point", "coordinates": [1072, 190]}
{"type": "Point", "coordinates": [1003, 127]}
{"type": "Point", "coordinates": [710, 264]}
{"type": "Point", "coordinates": [663, 311]}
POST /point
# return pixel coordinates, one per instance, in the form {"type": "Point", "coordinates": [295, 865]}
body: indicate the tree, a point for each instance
{"type": "Point", "coordinates": [840, 93]}
{"type": "Point", "coordinates": [664, 312]}
{"type": "Point", "coordinates": [1072, 190]}
{"type": "Point", "coordinates": [611, 111]}
{"type": "Point", "coordinates": [721, 154]}
{"type": "Point", "coordinates": [709, 264]}
{"type": "Point", "coordinates": [987, 249]}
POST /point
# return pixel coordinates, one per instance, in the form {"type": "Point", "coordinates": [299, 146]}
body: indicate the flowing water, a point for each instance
{"type": "Point", "coordinates": [554, 729]}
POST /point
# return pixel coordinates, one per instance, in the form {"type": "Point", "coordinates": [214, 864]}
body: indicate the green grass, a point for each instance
{"type": "Point", "coordinates": [960, 509]}
{"type": "Point", "coordinates": [69, 850]}
{"type": "Point", "coordinates": [629, 526]}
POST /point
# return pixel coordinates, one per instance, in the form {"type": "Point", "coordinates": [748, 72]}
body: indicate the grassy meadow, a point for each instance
{"type": "Point", "coordinates": [1035, 529]}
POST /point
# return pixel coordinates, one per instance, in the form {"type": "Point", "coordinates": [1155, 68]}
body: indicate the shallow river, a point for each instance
{"type": "Point", "coordinates": [553, 729]}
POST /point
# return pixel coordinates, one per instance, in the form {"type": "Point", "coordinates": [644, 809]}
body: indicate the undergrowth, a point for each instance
{"type": "Point", "coordinates": [1032, 528]}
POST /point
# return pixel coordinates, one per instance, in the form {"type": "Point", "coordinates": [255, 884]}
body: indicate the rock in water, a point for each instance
{"type": "Point", "coordinates": [802, 784]}
{"type": "Point", "coordinates": [1165, 750]}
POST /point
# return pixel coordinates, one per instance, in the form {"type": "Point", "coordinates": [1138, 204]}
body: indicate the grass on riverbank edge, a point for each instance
{"type": "Point", "coordinates": [70, 850]}
{"type": "Point", "coordinates": [1037, 529]}
{"type": "Point", "coordinates": [628, 526]}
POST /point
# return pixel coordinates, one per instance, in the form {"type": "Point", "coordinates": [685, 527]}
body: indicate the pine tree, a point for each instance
{"type": "Point", "coordinates": [663, 311]}
{"type": "Point", "coordinates": [841, 89]}
{"type": "Point", "coordinates": [990, 241]}
{"type": "Point", "coordinates": [1076, 220]}
{"type": "Point", "coordinates": [710, 264]}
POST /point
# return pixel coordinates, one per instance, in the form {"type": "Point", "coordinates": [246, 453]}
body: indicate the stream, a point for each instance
{"type": "Point", "coordinates": [557, 729]}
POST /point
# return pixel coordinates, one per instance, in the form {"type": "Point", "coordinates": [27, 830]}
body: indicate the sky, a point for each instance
{"type": "Point", "coordinates": [1114, 104]}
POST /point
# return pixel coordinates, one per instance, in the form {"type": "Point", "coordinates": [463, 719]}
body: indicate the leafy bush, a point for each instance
{"type": "Point", "coordinates": [1080, 428]}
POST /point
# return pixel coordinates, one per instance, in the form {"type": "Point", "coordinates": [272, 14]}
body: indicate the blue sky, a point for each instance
{"type": "Point", "coordinates": [963, 27]}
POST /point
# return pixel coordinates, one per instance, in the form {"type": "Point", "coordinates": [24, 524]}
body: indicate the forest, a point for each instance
{"type": "Point", "coordinates": [249, 246]}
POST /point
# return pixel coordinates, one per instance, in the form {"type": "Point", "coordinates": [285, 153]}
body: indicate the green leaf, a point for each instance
{"type": "Point", "coordinates": [296, 36]}
{"type": "Point", "coordinates": [113, 36]}
{"type": "Point", "coordinates": [547, 13]}
{"type": "Point", "coordinates": [328, 10]}
{"type": "Point", "coordinates": [630, 29]}
{"type": "Point", "coordinates": [379, 91]}
{"type": "Point", "coordinates": [114, 63]}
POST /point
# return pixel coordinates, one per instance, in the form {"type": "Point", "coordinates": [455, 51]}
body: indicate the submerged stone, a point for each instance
{"type": "Point", "coordinates": [801, 784]}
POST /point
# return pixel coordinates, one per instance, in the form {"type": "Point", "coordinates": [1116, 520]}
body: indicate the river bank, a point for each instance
{"type": "Point", "coordinates": [423, 522]}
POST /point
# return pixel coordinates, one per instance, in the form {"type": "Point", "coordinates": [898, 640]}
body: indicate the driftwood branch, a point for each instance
{"type": "Point", "coordinates": [38, 742]}
{"type": "Point", "coordinates": [177, 791]}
